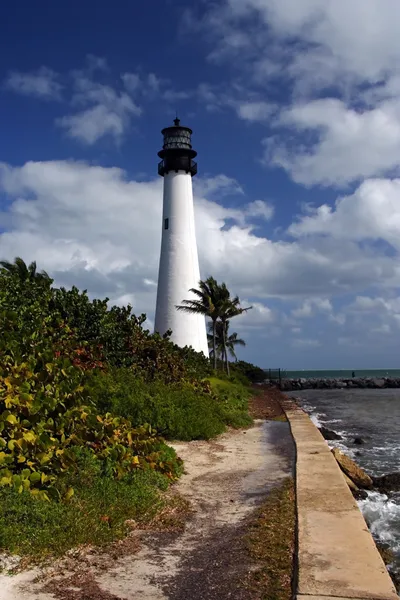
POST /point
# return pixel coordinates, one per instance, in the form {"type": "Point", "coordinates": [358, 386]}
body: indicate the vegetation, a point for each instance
{"type": "Point", "coordinates": [214, 301]}
{"type": "Point", "coordinates": [185, 411]}
{"type": "Point", "coordinates": [97, 514]}
{"type": "Point", "coordinates": [87, 396]}
{"type": "Point", "coordinates": [24, 272]}
{"type": "Point", "coordinates": [271, 544]}
{"type": "Point", "coordinates": [249, 372]}
{"type": "Point", "coordinates": [231, 341]}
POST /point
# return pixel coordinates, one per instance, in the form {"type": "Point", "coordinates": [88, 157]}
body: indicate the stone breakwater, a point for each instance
{"type": "Point", "coordinates": [331, 384]}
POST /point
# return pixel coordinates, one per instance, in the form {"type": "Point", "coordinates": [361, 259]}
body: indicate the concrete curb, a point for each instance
{"type": "Point", "coordinates": [336, 555]}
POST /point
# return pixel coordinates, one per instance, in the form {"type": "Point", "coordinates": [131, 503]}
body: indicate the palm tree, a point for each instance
{"type": "Point", "coordinates": [214, 301]}
{"type": "Point", "coordinates": [230, 308]}
{"type": "Point", "coordinates": [231, 341]}
{"type": "Point", "coordinates": [207, 302]}
{"type": "Point", "coordinates": [219, 347]}
{"type": "Point", "coordinates": [23, 272]}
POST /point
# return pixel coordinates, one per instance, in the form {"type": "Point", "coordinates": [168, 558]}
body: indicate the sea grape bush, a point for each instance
{"type": "Point", "coordinates": [45, 416]}
{"type": "Point", "coordinates": [50, 340]}
{"type": "Point", "coordinates": [120, 339]}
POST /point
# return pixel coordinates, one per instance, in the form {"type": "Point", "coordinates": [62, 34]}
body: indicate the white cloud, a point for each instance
{"type": "Point", "coordinates": [349, 50]}
{"type": "Point", "coordinates": [255, 111]}
{"type": "Point", "coordinates": [337, 41]}
{"type": "Point", "coordinates": [42, 83]}
{"type": "Point", "coordinates": [217, 184]}
{"type": "Point", "coordinates": [94, 123]}
{"type": "Point", "coordinates": [142, 84]}
{"type": "Point", "coordinates": [260, 209]}
{"type": "Point", "coordinates": [347, 145]}
{"type": "Point", "coordinates": [305, 311]}
{"type": "Point", "coordinates": [372, 212]}
{"type": "Point", "coordinates": [260, 316]}
{"type": "Point", "coordinates": [368, 304]}
{"type": "Point", "coordinates": [311, 306]}
{"type": "Point", "coordinates": [109, 112]}
{"type": "Point", "coordinates": [358, 37]}
{"type": "Point", "coordinates": [132, 81]}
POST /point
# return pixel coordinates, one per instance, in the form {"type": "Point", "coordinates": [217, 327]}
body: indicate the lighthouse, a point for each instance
{"type": "Point", "coordinates": [179, 264]}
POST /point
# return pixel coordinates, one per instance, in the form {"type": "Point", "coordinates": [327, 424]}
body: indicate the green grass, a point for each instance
{"type": "Point", "coordinates": [233, 402]}
{"type": "Point", "coordinates": [178, 411]}
{"type": "Point", "coordinates": [96, 514]}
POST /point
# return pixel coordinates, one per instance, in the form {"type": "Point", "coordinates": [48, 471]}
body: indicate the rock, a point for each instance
{"type": "Point", "coordinates": [360, 494]}
{"type": "Point", "coordinates": [358, 441]}
{"type": "Point", "coordinates": [352, 470]}
{"type": "Point", "coordinates": [351, 483]}
{"type": "Point", "coordinates": [387, 483]}
{"type": "Point", "coordinates": [378, 383]}
{"type": "Point", "coordinates": [329, 434]}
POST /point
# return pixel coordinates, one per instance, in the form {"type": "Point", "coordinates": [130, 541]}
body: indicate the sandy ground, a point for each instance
{"type": "Point", "coordinates": [224, 480]}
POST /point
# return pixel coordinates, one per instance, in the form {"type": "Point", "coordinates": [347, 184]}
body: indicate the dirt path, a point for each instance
{"type": "Point", "coordinates": [225, 480]}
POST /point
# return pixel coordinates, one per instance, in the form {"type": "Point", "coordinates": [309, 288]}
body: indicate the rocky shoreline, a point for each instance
{"type": "Point", "coordinates": [287, 385]}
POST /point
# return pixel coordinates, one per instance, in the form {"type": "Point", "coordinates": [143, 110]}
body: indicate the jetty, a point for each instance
{"type": "Point", "coordinates": [303, 383]}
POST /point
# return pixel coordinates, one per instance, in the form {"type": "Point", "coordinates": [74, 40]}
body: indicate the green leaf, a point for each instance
{"type": "Point", "coordinates": [68, 494]}
{"type": "Point", "coordinates": [29, 437]}
{"type": "Point", "coordinates": [35, 477]}
{"type": "Point", "coordinates": [12, 419]}
{"type": "Point", "coordinates": [17, 480]}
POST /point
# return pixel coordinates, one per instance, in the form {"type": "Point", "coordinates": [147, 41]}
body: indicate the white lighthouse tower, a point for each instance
{"type": "Point", "coordinates": [179, 264]}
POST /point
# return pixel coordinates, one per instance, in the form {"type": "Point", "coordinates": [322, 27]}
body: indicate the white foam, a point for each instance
{"type": "Point", "coordinates": [383, 517]}
{"type": "Point", "coordinates": [316, 419]}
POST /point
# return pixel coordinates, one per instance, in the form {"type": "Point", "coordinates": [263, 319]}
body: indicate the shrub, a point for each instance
{"type": "Point", "coordinates": [45, 416]}
{"type": "Point", "coordinates": [233, 401]}
{"type": "Point", "coordinates": [252, 373]}
{"type": "Point", "coordinates": [123, 342]}
{"type": "Point", "coordinates": [184, 411]}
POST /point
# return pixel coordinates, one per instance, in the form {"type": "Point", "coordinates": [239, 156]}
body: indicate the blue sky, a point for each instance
{"type": "Point", "coordinates": [295, 107]}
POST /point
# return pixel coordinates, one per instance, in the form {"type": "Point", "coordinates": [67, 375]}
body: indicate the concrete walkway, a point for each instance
{"type": "Point", "coordinates": [337, 557]}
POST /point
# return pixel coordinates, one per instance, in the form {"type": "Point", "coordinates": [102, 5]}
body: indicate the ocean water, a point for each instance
{"type": "Point", "coordinates": [342, 374]}
{"type": "Point", "coordinates": [373, 415]}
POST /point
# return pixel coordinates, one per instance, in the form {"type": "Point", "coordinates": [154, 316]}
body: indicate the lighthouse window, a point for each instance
{"type": "Point", "coordinates": [166, 223]}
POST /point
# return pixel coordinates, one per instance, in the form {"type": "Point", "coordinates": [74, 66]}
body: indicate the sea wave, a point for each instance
{"type": "Point", "coordinates": [382, 515]}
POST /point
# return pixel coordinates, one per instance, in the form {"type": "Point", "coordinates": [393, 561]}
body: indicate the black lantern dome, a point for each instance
{"type": "Point", "coordinates": [177, 153]}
